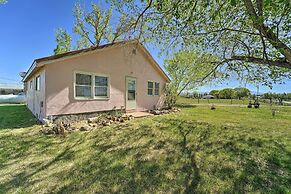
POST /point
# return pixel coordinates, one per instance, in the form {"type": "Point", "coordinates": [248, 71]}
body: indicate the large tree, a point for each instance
{"type": "Point", "coordinates": [64, 41]}
{"type": "Point", "coordinates": [242, 92]}
{"type": "Point", "coordinates": [96, 27]}
{"type": "Point", "coordinates": [189, 69]}
{"type": "Point", "coordinates": [250, 37]}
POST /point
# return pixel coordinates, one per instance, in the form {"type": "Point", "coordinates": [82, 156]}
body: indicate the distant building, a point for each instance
{"type": "Point", "coordinates": [208, 97]}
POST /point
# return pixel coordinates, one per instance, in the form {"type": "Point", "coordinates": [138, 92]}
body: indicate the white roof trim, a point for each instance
{"type": "Point", "coordinates": [31, 68]}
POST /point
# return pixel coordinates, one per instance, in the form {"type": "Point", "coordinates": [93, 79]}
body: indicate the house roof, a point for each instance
{"type": "Point", "coordinates": [38, 63]}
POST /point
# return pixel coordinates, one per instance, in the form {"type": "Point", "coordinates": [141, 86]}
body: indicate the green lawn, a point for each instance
{"type": "Point", "coordinates": [227, 150]}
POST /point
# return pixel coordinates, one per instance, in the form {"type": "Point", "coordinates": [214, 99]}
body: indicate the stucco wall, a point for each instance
{"type": "Point", "coordinates": [34, 98]}
{"type": "Point", "coordinates": [117, 62]}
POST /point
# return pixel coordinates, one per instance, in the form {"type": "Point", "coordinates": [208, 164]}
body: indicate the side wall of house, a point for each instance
{"type": "Point", "coordinates": [36, 98]}
{"type": "Point", "coordinates": [117, 63]}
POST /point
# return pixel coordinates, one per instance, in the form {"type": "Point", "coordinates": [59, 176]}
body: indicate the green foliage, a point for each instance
{"type": "Point", "coordinates": [96, 21]}
{"type": "Point", "coordinates": [96, 27]}
{"type": "Point", "coordinates": [63, 40]}
{"type": "Point", "coordinates": [227, 93]}
{"type": "Point", "coordinates": [255, 48]}
{"type": "Point", "coordinates": [189, 69]}
{"type": "Point", "coordinates": [3, 1]}
{"type": "Point", "coordinates": [171, 95]}
{"type": "Point", "coordinates": [282, 96]}
{"type": "Point", "coordinates": [242, 92]}
{"type": "Point", "coordinates": [214, 93]}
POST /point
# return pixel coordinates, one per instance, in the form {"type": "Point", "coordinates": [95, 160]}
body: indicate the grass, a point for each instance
{"type": "Point", "coordinates": [228, 150]}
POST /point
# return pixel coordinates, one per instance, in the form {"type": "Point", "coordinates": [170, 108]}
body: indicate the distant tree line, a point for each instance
{"type": "Point", "coordinates": [5, 91]}
{"type": "Point", "coordinates": [277, 96]}
{"type": "Point", "coordinates": [240, 93]}
{"type": "Point", "coordinates": [231, 93]}
{"type": "Point", "coordinates": [226, 93]}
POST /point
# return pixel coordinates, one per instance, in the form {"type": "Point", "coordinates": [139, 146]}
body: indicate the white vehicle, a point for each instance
{"type": "Point", "coordinates": [11, 98]}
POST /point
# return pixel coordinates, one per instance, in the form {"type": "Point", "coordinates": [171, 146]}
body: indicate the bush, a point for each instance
{"type": "Point", "coordinates": [171, 95]}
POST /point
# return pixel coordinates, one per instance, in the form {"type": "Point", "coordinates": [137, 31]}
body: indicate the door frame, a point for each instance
{"type": "Point", "coordinates": [126, 91]}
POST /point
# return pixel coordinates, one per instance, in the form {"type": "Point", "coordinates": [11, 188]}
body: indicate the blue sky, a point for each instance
{"type": "Point", "coordinates": [27, 31]}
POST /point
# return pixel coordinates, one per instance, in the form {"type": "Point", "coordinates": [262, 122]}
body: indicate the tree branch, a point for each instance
{"type": "Point", "coordinates": [142, 13]}
{"type": "Point", "coordinates": [267, 32]}
{"type": "Point", "coordinates": [227, 29]}
{"type": "Point", "coordinates": [202, 79]}
{"type": "Point", "coordinates": [277, 63]}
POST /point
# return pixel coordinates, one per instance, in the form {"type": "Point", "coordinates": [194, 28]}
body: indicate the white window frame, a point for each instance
{"type": "Point", "coordinates": [31, 84]}
{"type": "Point", "coordinates": [108, 86]}
{"type": "Point", "coordinates": [37, 84]}
{"type": "Point", "coordinates": [92, 97]}
{"type": "Point", "coordinates": [153, 89]}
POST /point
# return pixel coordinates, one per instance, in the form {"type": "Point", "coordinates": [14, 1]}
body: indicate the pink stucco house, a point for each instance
{"type": "Point", "coordinates": [102, 78]}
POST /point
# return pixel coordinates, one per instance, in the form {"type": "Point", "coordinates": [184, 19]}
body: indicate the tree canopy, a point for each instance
{"type": "Point", "coordinates": [227, 93]}
{"type": "Point", "coordinates": [189, 69]}
{"type": "Point", "coordinates": [242, 92]}
{"type": "Point", "coordinates": [95, 27]}
{"type": "Point", "coordinates": [250, 37]}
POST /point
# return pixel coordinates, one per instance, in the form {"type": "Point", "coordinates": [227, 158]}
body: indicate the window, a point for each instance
{"type": "Point", "coordinates": [150, 88]}
{"type": "Point", "coordinates": [157, 89]}
{"type": "Point", "coordinates": [101, 86]}
{"type": "Point", "coordinates": [30, 84]}
{"type": "Point", "coordinates": [83, 85]}
{"type": "Point", "coordinates": [153, 88]}
{"type": "Point", "coordinates": [37, 83]}
{"type": "Point", "coordinates": [89, 85]}
{"type": "Point", "coordinates": [131, 89]}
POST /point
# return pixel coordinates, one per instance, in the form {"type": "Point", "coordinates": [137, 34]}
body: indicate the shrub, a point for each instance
{"type": "Point", "coordinates": [171, 95]}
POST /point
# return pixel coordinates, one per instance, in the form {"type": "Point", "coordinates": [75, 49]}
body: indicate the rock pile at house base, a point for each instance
{"type": "Point", "coordinates": [62, 128]}
{"type": "Point", "coordinates": [109, 119]}
{"type": "Point", "coordinates": [165, 111]}
{"type": "Point", "coordinates": [58, 128]}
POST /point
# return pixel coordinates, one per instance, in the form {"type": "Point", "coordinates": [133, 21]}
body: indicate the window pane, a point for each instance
{"type": "Point", "coordinates": [37, 83]}
{"type": "Point", "coordinates": [157, 85]}
{"type": "Point", "coordinates": [156, 91]}
{"type": "Point", "coordinates": [83, 91]}
{"type": "Point", "coordinates": [83, 79]}
{"type": "Point", "coordinates": [150, 91]}
{"type": "Point", "coordinates": [150, 84]}
{"type": "Point", "coordinates": [131, 85]}
{"type": "Point", "coordinates": [101, 91]}
{"type": "Point", "coordinates": [131, 95]}
{"type": "Point", "coordinates": [101, 81]}
{"type": "Point", "coordinates": [157, 88]}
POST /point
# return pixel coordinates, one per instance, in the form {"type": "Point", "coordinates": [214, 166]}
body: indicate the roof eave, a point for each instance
{"type": "Point", "coordinates": [30, 70]}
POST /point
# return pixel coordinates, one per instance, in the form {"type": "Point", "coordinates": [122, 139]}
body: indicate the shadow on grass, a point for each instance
{"type": "Point", "coordinates": [22, 178]}
{"type": "Point", "coordinates": [13, 116]}
{"type": "Point", "coordinates": [270, 174]}
{"type": "Point", "coordinates": [161, 154]}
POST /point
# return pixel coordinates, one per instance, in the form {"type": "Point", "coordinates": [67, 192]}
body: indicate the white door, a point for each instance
{"type": "Point", "coordinates": [130, 93]}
